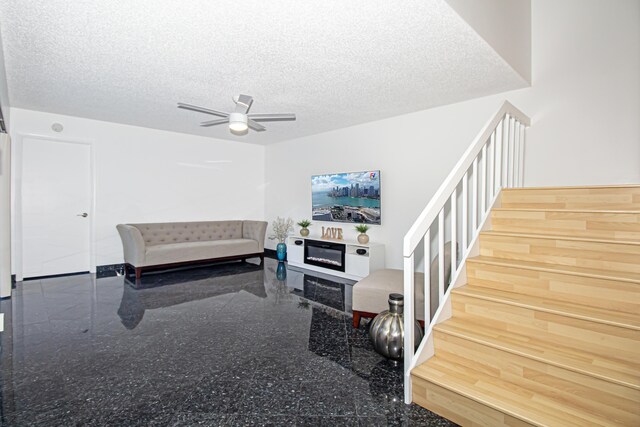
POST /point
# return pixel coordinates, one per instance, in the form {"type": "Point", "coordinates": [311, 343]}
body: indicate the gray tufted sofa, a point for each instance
{"type": "Point", "coordinates": [163, 245]}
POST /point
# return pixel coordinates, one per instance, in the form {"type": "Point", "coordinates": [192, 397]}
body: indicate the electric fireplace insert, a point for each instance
{"type": "Point", "coordinates": [324, 254]}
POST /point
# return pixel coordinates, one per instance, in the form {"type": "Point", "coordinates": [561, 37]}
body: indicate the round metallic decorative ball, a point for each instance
{"type": "Point", "coordinates": [361, 251]}
{"type": "Point", "coordinates": [387, 330]}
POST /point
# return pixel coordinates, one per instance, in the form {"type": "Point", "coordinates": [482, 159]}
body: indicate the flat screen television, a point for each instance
{"type": "Point", "coordinates": [346, 197]}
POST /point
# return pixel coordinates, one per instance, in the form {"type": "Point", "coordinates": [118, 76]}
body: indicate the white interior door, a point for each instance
{"type": "Point", "coordinates": [5, 216]}
{"type": "Point", "coordinates": [56, 202]}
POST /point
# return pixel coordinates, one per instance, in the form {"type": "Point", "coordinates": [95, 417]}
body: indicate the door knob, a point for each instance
{"type": "Point", "coordinates": [83, 215]}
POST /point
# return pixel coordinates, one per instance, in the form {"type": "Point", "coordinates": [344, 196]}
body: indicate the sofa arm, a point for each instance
{"type": "Point", "coordinates": [133, 244]}
{"type": "Point", "coordinates": [255, 230]}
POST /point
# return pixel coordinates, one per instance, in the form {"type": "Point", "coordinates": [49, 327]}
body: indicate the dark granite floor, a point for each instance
{"type": "Point", "coordinates": [233, 344]}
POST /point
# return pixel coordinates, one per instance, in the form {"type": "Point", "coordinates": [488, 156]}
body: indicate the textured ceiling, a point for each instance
{"type": "Point", "coordinates": [333, 63]}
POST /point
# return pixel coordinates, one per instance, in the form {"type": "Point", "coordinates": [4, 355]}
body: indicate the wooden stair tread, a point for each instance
{"type": "Point", "coordinates": [606, 368]}
{"type": "Point", "coordinates": [504, 396]}
{"type": "Point", "coordinates": [559, 237]}
{"type": "Point", "coordinates": [574, 187]}
{"type": "Point", "coordinates": [620, 319]}
{"type": "Point", "coordinates": [621, 276]}
{"type": "Point", "coordinates": [574, 210]}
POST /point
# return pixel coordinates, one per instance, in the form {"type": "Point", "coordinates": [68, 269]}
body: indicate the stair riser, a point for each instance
{"type": "Point", "coordinates": [458, 408]}
{"type": "Point", "coordinates": [606, 198]}
{"type": "Point", "coordinates": [607, 369]}
{"type": "Point", "coordinates": [589, 291]}
{"type": "Point", "coordinates": [557, 383]}
{"type": "Point", "coordinates": [604, 256]}
{"type": "Point", "coordinates": [598, 338]}
{"type": "Point", "coordinates": [597, 225]}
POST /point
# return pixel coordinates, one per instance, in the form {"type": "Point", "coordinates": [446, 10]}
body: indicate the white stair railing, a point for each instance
{"type": "Point", "coordinates": [495, 160]}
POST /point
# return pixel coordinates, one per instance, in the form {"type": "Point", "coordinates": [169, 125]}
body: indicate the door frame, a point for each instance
{"type": "Point", "coordinates": [16, 214]}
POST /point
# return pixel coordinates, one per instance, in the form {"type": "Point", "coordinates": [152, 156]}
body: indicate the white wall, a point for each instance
{"type": "Point", "coordinates": [584, 103]}
{"type": "Point", "coordinates": [505, 25]}
{"type": "Point", "coordinates": [585, 96]}
{"type": "Point", "coordinates": [146, 175]}
{"type": "Point", "coordinates": [4, 91]}
{"type": "Point", "coordinates": [5, 216]}
{"type": "Point", "coordinates": [411, 166]}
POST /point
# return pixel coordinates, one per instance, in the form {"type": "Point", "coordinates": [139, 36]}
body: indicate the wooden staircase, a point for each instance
{"type": "Point", "coordinates": [546, 331]}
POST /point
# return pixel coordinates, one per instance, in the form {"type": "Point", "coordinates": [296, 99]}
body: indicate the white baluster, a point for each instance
{"type": "Point", "coordinates": [507, 128]}
{"type": "Point", "coordinates": [523, 131]}
{"type": "Point", "coordinates": [492, 166]}
{"type": "Point", "coordinates": [512, 138]}
{"type": "Point", "coordinates": [427, 277]}
{"type": "Point", "coordinates": [499, 155]}
{"type": "Point", "coordinates": [474, 199]}
{"type": "Point", "coordinates": [409, 345]}
{"type": "Point", "coordinates": [465, 211]}
{"type": "Point", "coordinates": [483, 182]}
{"type": "Point", "coordinates": [440, 257]}
{"type": "Point", "coordinates": [516, 154]}
{"type": "Point", "coordinates": [454, 229]}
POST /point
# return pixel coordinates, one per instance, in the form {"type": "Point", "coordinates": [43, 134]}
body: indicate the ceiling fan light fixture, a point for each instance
{"type": "Point", "coordinates": [238, 122]}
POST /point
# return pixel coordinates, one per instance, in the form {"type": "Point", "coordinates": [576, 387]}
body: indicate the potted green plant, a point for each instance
{"type": "Point", "coordinates": [362, 237]}
{"type": "Point", "coordinates": [304, 230]}
{"type": "Point", "coordinates": [281, 229]}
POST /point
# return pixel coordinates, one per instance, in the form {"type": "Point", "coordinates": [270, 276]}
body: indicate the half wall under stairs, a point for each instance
{"type": "Point", "coordinates": [546, 331]}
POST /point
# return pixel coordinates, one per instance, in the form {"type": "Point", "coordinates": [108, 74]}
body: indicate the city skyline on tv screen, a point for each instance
{"type": "Point", "coordinates": [346, 197]}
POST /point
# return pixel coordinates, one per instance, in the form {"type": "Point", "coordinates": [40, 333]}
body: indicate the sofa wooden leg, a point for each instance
{"type": "Point", "coordinates": [138, 273]}
{"type": "Point", "coordinates": [356, 319]}
{"type": "Point", "coordinates": [261, 259]}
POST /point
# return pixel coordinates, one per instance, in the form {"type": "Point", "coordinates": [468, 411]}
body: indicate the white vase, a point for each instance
{"type": "Point", "coordinates": [363, 238]}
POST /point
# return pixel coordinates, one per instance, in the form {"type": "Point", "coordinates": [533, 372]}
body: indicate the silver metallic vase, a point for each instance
{"type": "Point", "coordinates": [387, 330]}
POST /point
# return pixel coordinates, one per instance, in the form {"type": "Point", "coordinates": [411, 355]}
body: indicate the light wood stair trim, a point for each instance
{"type": "Point", "coordinates": [572, 389]}
{"type": "Point", "coordinates": [579, 252]}
{"type": "Point", "coordinates": [621, 197]}
{"type": "Point", "coordinates": [601, 339]}
{"type": "Point", "coordinates": [574, 187]}
{"type": "Point", "coordinates": [499, 395]}
{"type": "Point", "coordinates": [605, 368]}
{"type": "Point", "coordinates": [612, 225]}
{"type": "Point", "coordinates": [618, 276]}
{"type": "Point", "coordinates": [630, 243]}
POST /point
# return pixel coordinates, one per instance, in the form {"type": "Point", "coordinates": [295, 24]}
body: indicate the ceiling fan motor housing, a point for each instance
{"type": "Point", "coordinates": [238, 122]}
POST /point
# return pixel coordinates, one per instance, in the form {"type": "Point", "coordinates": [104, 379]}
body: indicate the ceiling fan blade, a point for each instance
{"type": "Point", "coordinates": [202, 109]}
{"type": "Point", "coordinates": [255, 125]}
{"type": "Point", "coordinates": [214, 122]}
{"type": "Point", "coordinates": [243, 103]}
{"type": "Point", "coordinates": [272, 117]}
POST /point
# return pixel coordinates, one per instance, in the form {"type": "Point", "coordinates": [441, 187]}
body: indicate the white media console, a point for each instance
{"type": "Point", "coordinates": [348, 259]}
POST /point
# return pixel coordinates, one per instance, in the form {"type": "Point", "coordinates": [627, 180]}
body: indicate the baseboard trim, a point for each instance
{"type": "Point", "coordinates": [109, 270]}
{"type": "Point", "coordinates": [271, 253]}
{"type": "Point", "coordinates": [53, 276]}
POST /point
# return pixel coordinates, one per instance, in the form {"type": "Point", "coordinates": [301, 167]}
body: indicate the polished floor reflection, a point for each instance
{"type": "Point", "coordinates": [232, 344]}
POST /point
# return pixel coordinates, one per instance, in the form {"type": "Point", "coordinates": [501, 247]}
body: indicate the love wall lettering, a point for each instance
{"type": "Point", "coordinates": [332, 233]}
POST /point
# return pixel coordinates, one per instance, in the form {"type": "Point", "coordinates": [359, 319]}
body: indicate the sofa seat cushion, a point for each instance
{"type": "Point", "coordinates": [193, 251]}
{"type": "Point", "coordinates": [371, 294]}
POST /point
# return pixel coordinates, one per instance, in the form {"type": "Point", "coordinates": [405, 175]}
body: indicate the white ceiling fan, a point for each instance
{"type": "Point", "coordinates": [240, 120]}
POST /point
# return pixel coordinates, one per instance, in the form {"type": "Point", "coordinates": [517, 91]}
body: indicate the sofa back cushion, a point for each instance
{"type": "Point", "coordinates": [179, 232]}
